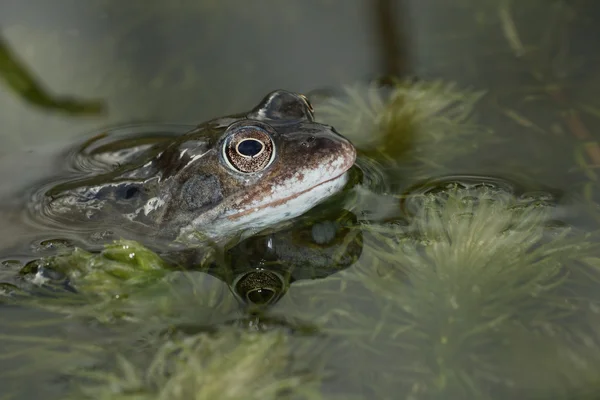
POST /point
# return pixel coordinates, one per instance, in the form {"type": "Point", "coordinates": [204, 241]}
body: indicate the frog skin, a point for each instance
{"type": "Point", "coordinates": [238, 173]}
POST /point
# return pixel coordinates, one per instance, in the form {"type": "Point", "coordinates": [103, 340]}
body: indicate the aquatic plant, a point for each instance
{"type": "Point", "coordinates": [420, 126]}
{"type": "Point", "coordinates": [229, 366]}
{"type": "Point", "coordinates": [135, 333]}
{"type": "Point", "coordinates": [91, 284]}
{"type": "Point", "coordinates": [476, 297]}
{"type": "Point", "coordinates": [16, 76]}
{"type": "Point", "coordinates": [474, 294]}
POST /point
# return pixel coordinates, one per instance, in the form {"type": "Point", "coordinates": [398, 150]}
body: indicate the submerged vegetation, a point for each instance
{"type": "Point", "coordinates": [474, 289]}
{"type": "Point", "coordinates": [422, 125]}
{"type": "Point", "coordinates": [15, 75]}
{"type": "Point", "coordinates": [459, 301]}
{"type": "Point", "coordinates": [226, 366]}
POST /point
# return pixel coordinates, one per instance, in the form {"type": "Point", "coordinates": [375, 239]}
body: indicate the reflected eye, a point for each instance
{"type": "Point", "coordinates": [259, 287]}
{"type": "Point", "coordinates": [248, 148]}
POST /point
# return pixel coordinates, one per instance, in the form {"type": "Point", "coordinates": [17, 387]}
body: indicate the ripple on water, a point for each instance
{"type": "Point", "coordinates": [105, 150]}
{"type": "Point", "coordinates": [102, 152]}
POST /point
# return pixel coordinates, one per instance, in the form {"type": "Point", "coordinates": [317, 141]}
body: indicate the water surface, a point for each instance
{"type": "Point", "coordinates": [465, 256]}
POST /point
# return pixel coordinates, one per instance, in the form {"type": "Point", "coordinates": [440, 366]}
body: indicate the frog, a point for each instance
{"type": "Point", "coordinates": [228, 177]}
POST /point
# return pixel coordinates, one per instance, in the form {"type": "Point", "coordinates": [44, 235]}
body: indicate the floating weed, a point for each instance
{"type": "Point", "coordinates": [120, 265]}
{"type": "Point", "coordinates": [228, 363]}
{"type": "Point", "coordinates": [415, 122]}
{"type": "Point", "coordinates": [451, 304]}
{"type": "Point", "coordinates": [227, 366]}
{"type": "Point", "coordinates": [470, 283]}
{"type": "Point", "coordinates": [125, 281]}
{"type": "Point", "coordinates": [471, 298]}
{"type": "Point", "coordinates": [143, 349]}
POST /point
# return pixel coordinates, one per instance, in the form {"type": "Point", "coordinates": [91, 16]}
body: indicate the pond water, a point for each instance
{"type": "Point", "coordinates": [461, 259]}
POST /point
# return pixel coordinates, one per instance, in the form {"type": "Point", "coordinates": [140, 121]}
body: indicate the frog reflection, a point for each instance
{"type": "Point", "coordinates": [260, 269]}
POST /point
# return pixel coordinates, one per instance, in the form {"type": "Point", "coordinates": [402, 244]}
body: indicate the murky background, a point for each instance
{"type": "Point", "coordinates": [525, 73]}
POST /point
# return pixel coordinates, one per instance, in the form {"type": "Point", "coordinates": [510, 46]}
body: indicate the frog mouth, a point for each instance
{"type": "Point", "coordinates": [289, 198]}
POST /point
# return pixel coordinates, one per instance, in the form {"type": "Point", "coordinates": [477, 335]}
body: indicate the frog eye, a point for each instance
{"type": "Point", "coordinates": [248, 149]}
{"type": "Point", "coordinates": [259, 287]}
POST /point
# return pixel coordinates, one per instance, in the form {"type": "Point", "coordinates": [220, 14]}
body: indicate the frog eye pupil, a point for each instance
{"type": "Point", "coordinates": [250, 147]}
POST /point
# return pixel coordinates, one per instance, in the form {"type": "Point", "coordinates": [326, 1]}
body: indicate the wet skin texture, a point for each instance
{"type": "Point", "coordinates": [237, 173]}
